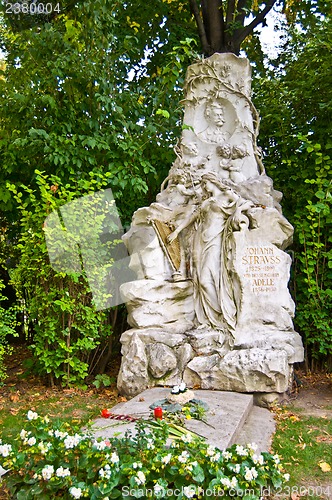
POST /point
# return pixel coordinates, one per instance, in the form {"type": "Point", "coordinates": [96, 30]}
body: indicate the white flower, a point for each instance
{"type": "Point", "coordinates": [44, 447]}
{"type": "Point", "coordinates": [166, 459]}
{"type": "Point", "coordinates": [182, 387]}
{"type": "Point", "coordinates": [254, 472]}
{"type": "Point", "coordinates": [227, 455]}
{"type": "Point", "coordinates": [140, 478]}
{"type": "Point", "coordinates": [183, 457]}
{"type": "Point", "coordinates": [211, 450]}
{"type": "Point", "coordinates": [47, 472]}
{"type": "Point", "coordinates": [150, 444]}
{"type": "Point", "coordinates": [24, 433]}
{"type": "Point", "coordinates": [5, 450]}
{"type": "Point", "coordinates": [189, 491]}
{"type": "Point", "coordinates": [106, 472]}
{"type": "Point", "coordinates": [252, 446]}
{"type": "Point", "coordinates": [240, 450]}
{"type": "Point", "coordinates": [286, 477]}
{"type": "Point", "coordinates": [158, 489]}
{"type": "Point", "coordinates": [250, 473]}
{"type": "Point", "coordinates": [32, 415]}
{"type": "Point", "coordinates": [100, 445]}
{"type": "Point", "coordinates": [75, 492]}
{"type": "Point", "coordinates": [115, 458]}
{"type": "Point", "coordinates": [225, 481]}
{"type": "Point", "coordinates": [257, 459]}
{"type": "Point", "coordinates": [59, 434]}
{"type": "Point", "coordinates": [276, 459]}
{"type": "Point", "coordinates": [61, 472]}
{"type": "Point", "coordinates": [215, 457]}
{"type": "Point", "coordinates": [237, 468]}
{"type": "Point", "coordinates": [175, 390]}
{"type": "Point", "coordinates": [187, 438]}
{"type": "Point", "coordinates": [234, 482]}
{"type": "Point", "coordinates": [71, 441]}
{"type": "Point", "coordinates": [31, 441]}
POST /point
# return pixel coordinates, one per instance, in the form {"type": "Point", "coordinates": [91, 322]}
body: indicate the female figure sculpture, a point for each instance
{"type": "Point", "coordinates": [221, 212]}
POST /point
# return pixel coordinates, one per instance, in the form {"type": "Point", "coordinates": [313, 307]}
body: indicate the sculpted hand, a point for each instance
{"type": "Point", "coordinates": [172, 236]}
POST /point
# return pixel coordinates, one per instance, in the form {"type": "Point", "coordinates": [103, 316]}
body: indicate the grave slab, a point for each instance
{"type": "Point", "coordinates": [259, 428]}
{"type": "Point", "coordinates": [225, 418]}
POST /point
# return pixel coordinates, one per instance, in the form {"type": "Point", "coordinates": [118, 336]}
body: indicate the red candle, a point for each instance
{"type": "Point", "coordinates": [158, 412]}
{"type": "Point", "coordinates": [105, 413]}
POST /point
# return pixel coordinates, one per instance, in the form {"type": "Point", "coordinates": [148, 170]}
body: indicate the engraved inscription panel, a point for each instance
{"type": "Point", "coordinates": [261, 264]}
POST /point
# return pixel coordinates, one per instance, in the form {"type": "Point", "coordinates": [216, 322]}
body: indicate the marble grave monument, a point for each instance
{"type": "Point", "coordinates": [210, 306]}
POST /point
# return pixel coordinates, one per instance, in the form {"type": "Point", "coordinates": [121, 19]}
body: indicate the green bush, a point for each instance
{"type": "Point", "coordinates": [7, 327]}
{"type": "Point", "coordinates": [67, 328]}
{"type": "Point", "coordinates": [314, 259]}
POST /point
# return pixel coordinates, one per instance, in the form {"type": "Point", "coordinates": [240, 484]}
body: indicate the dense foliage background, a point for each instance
{"type": "Point", "coordinates": [90, 99]}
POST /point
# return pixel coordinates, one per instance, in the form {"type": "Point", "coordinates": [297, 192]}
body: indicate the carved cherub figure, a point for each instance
{"type": "Point", "coordinates": [188, 155]}
{"type": "Point", "coordinates": [229, 160]}
{"type": "Point", "coordinates": [225, 152]}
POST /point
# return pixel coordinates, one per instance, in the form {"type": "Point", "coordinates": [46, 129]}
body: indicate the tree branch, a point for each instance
{"type": "Point", "coordinates": [230, 11]}
{"type": "Point", "coordinates": [246, 30]}
{"type": "Point", "coordinates": [200, 26]}
{"type": "Point", "coordinates": [241, 11]}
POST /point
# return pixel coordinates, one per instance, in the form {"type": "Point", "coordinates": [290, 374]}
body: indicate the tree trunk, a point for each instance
{"type": "Point", "coordinates": [221, 29]}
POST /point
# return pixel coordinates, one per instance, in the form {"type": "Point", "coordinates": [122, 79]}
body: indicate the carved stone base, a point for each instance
{"type": "Point", "coordinates": [158, 302]}
{"type": "Point", "coordinates": [202, 359]}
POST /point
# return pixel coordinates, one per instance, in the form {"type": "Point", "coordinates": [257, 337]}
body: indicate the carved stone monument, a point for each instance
{"type": "Point", "coordinates": [211, 305]}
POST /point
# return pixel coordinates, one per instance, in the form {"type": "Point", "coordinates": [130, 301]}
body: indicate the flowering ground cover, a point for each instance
{"type": "Point", "coordinates": [48, 460]}
{"type": "Point", "coordinates": [303, 439]}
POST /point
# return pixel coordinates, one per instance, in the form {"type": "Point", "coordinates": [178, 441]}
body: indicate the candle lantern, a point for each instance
{"type": "Point", "coordinates": [158, 412]}
{"type": "Point", "coordinates": [105, 413]}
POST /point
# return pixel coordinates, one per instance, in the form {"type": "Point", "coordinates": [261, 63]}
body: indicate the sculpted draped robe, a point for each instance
{"type": "Point", "coordinates": [213, 246]}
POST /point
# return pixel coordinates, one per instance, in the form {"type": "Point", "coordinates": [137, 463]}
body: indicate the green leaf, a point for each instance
{"type": "Point", "coordinates": [163, 112]}
{"type": "Point", "coordinates": [320, 194]}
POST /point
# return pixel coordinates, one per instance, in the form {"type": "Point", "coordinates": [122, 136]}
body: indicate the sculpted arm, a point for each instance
{"type": "Point", "coordinates": [186, 222]}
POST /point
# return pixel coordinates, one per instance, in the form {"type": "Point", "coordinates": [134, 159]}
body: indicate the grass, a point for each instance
{"type": "Point", "coordinates": [76, 406]}
{"type": "Point", "coordinates": [20, 393]}
{"type": "Point", "coordinates": [304, 444]}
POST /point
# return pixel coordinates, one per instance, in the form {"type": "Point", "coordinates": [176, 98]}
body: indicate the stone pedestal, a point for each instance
{"type": "Point", "coordinates": [211, 305]}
